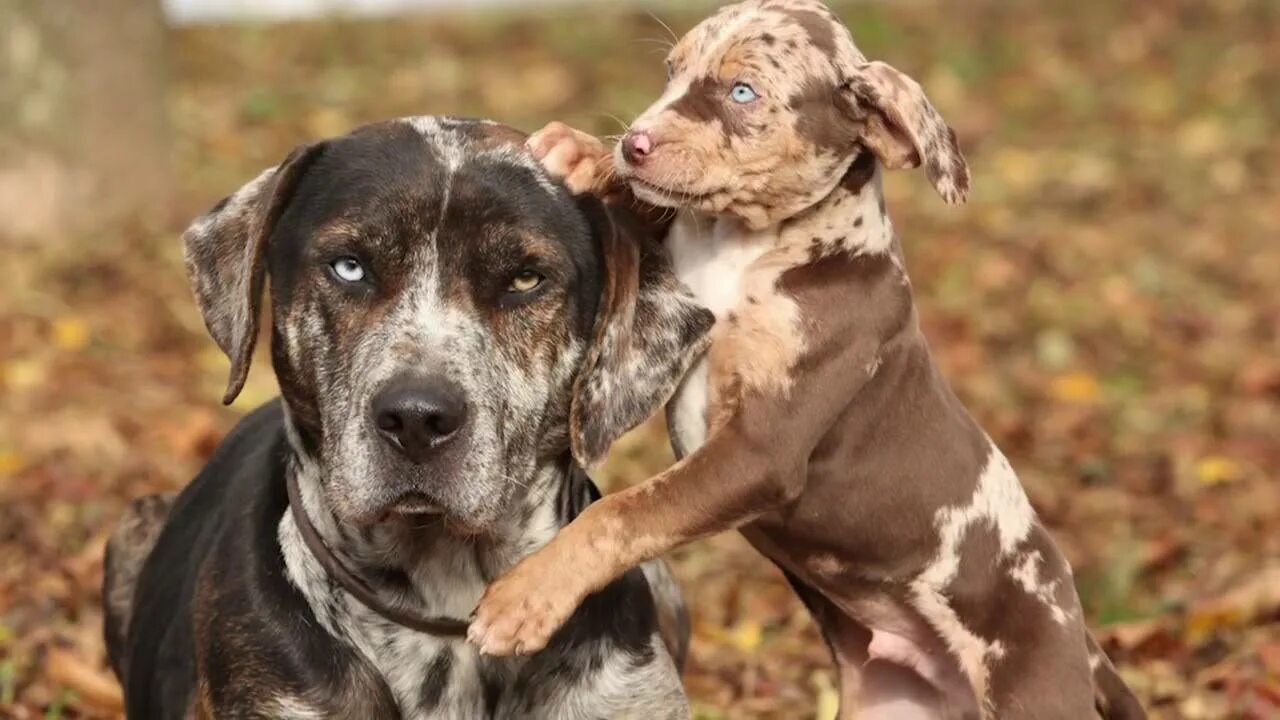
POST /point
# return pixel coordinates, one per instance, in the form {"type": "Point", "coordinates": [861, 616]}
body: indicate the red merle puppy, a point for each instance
{"type": "Point", "coordinates": [445, 321]}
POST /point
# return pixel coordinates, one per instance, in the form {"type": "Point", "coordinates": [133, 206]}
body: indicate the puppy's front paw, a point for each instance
{"type": "Point", "coordinates": [522, 610]}
{"type": "Point", "coordinates": [580, 159]}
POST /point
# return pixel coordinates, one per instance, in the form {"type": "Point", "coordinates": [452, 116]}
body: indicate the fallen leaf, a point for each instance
{"type": "Point", "coordinates": [1257, 597]}
{"type": "Point", "coordinates": [1217, 470]}
{"type": "Point", "coordinates": [828, 700]}
{"type": "Point", "coordinates": [747, 636]}
{"type": "Point", "coordinates": [1078, 388]}
{"type": "Point", "coordinates": [93, 686]}
{"type": "Point", "coordinates": [23, 374]}
{"type": "Point", "coordinates": [10, 462]}
{"type": "Point", "coordinates": [70, 334]}
{"type": "Point", "coordinates": [1269, 654]}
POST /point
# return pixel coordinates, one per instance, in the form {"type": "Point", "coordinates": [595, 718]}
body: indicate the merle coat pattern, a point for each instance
{"type": "Point", "coordinates": [817, 423]}
{"type": "Point", "coordinates": [445, 322]}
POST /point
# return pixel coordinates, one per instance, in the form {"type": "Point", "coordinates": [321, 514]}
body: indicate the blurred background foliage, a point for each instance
{"type": "Point", "coordinates": [1106, 304]}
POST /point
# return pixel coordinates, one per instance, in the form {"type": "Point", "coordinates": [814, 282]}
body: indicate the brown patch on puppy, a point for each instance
{"type": "Point", "coordinates": [820, 120]}
{"type": "Point", "coordinates": [702, 103]}
{"type": "Point", "coordinates": [821, 30]}
{"type": "Point", "coordinates": [859, 174]}
{"type": "Point", "coordinates": [756, 353]}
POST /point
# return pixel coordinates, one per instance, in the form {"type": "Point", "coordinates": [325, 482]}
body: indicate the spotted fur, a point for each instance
{"type": "Point", "coordinates": [817, 423]}
{"type": "Point", "coordinates": [441, 215]}
{"type": "Point", "coordinates": [819, 101]}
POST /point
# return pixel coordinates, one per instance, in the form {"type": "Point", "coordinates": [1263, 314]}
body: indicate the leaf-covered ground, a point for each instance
{"type": "Point", "coordinates": [1107, 305]}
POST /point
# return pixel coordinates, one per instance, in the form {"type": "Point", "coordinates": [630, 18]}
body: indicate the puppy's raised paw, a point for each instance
{"type": "Point", "coordinates": [522, 610]}
{"type": "Point", "coordinates": [580, 159]}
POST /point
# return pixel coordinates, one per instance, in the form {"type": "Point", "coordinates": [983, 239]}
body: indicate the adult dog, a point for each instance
{"type": "Point", "coordinates": [446, 320]}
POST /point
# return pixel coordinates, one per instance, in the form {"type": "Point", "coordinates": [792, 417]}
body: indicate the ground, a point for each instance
{"type": "Point", "coordinates": [1106, 305]}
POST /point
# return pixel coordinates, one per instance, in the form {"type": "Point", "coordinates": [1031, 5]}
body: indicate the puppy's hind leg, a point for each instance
{"type": "Point", "coordinates": [1113, 698]}
{"type": "Point", "coordinates": [869, 689]}
{"type": "Point", "coordinates": [127, 549]}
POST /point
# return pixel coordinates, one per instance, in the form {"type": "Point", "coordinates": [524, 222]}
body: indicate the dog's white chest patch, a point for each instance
{"type": "Point", "coordinates": [712, 258]}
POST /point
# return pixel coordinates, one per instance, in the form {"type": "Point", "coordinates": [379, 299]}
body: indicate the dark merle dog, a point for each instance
{"type": "Point", "coordinates": [447, 323]}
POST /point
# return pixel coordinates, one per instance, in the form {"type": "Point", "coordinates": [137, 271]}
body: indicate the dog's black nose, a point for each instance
{"type": "Point", "coordinates": [419, 415]}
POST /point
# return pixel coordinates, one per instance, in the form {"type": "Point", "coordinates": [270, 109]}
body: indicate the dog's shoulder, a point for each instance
{"type": "Point", "coordinates": [161, 634]}
{"type": "Point", "coordinates": [217, 564]}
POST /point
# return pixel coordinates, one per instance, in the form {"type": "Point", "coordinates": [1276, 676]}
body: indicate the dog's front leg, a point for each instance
{"type": "Point", "coordinates": [754, 461]}
{"type": "Point", "coordinates": [739, 474]}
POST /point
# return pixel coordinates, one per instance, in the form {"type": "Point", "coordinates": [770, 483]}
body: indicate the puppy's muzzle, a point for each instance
{"type": "Point", "coordinates": [419, 416]}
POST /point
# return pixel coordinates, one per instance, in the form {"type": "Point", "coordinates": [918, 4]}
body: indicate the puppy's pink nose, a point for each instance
{"type": "Point", "coordinates": [637, 146]}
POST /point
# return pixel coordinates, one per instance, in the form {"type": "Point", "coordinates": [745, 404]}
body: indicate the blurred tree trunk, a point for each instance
{"type": "Point", "coordinates": [84, 141]}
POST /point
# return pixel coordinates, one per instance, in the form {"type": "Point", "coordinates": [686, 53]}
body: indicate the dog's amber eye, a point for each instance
{"type": "Point", "coordinates": [526, 281]}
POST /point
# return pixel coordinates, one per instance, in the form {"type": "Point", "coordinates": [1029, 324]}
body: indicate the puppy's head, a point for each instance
{"type": "Point", "coordinates": [767, 105]}
{"type": "Point", "coordinates": [444, 316]}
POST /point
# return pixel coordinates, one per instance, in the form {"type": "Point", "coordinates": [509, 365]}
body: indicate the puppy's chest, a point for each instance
{"type": "Point", "coordinates": [712, 257]}
{"type": "Point", "coordinates": [732, 271]}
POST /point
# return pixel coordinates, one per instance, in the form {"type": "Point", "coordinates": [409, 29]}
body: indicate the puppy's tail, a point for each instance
{"type": "Point", "coordinates": [1112, 697]}
{"type": "Point", "coordinates": [127, 550]}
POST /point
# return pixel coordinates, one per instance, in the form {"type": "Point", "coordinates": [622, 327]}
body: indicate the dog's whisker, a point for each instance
{"type": "Point", "coordinates": [626, 126]}
{"type": "Point", "coordinates": [674, 38]}
{"type": "Point", "coordinates": [666, 45]}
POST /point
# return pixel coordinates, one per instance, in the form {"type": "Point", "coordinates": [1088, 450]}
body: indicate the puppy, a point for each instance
{"type": "Point", "coordinates": [817, 422]}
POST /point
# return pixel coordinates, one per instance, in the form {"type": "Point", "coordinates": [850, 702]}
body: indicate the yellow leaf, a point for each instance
{"type": "Point", "coordinates": [70, 333]}
{"type": "Point", "coordinates": [1201, 625]}
{"type": "Point", "coordinates": [1080, 388]}
{"type": "Point", "coordinates": [22, 374]}
{"type": "Point", "coordinates": [10, 462]}
{"type": "Point", "coordinates": [1201, 138]}
{"type": "Point", "coordinates": [747, 636]}
{"type": "Point", "coordinates": [828, 699]}
{"type": "Point", "coordinates": [1217, 470]}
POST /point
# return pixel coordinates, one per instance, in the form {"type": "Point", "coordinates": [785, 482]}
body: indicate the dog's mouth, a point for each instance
{"type": "Point", "coordinates": [418, 510]}
{"type": "Point", "coordinates": [664, 195]}
{"type": "Point", "coordinates": [415, 504]}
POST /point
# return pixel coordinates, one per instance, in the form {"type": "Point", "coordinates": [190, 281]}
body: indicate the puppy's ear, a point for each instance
{"type": "Point", "coordinates": [225, 251]}
{"type": "Point", "coordinates": [904, 130]}
{"type": "Point", "coordinates": [648, 331]}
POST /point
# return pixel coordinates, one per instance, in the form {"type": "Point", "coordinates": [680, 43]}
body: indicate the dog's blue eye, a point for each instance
{"type": "Point", "coordinates": [347, 269]}
{"type": "Point", "coordinates": [743, 93]}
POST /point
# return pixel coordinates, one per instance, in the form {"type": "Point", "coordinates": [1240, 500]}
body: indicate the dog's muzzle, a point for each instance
{"type": "Point", "coordinates": [419, 416]}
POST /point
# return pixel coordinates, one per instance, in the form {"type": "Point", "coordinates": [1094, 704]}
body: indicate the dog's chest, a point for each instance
{"type": "Point", "coordinates": [714, 259]}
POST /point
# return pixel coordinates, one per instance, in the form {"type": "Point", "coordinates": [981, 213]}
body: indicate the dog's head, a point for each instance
{"type": "Point", "coordinates": [768, 103]}
{"type": "Point", "coordinates": [444, 316]}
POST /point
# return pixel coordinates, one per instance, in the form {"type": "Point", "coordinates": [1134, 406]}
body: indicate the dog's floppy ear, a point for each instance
{"type": "Point", "coordinates": [904, 129]}
{"type": "Point", "coordinates": [648, 331]}
{"type": "Point", "coordinates": [225, 250]}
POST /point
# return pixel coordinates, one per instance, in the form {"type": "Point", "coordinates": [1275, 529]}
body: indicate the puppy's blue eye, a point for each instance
{"type": "Point", "coordinates": [743, 93]}
{"type": "Point", "coordinates": [347, 269]}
